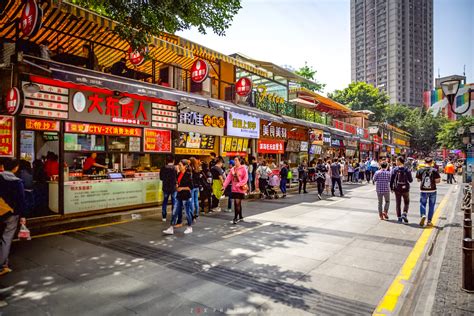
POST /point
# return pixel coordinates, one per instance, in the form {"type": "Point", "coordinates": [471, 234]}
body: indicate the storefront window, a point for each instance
{"type": "Point", "coordinates": [83, 142]}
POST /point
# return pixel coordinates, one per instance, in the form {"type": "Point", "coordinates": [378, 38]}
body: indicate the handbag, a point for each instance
{"type": "Point", "coordinates": [4, 207]}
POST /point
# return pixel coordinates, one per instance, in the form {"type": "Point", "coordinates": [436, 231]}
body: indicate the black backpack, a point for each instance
{"type": "Point", "coordinates": [401, 181]}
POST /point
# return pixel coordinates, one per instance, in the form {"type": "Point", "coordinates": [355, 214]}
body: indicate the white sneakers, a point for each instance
{"type": "Point", "coordinates": [217, 209]}
{"type": "Point", "coordinates": [170, 230]}
{"type": "Point", "coordinates": [163, 220]}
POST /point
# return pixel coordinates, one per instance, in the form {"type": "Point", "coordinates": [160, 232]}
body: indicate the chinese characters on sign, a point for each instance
{"type": "Point", "coordinates": [31, 16]}
{"type": "Point", "coordinates": [199, 71]}
{"type": "Point", "coordinates": [42, 125]}
{"type": "Point", "coordinates": [243, 86]}
{"type": "Point", "coordinates": [13, 101]}
{"type": "Point", "coordinates": [350, 128]}
{"type": "Point", "coordinates": [50, 101]}
{"type": "Point", "coordinates": [242, 125]}
{"type": "Point", "coordinates": [83, 128]}
{"type": "Point", "coordinates": [316, 137]}
{"type": "Point", "coordinates": [196, 118]}
{"type": "Point", "coordinates": [119, 113]}
{"type": "Point", "coordinates": [158, 141]}
{"type": "Point", "coordinates": [271, 146]}
{"type": "Point", "coordinates": [6, 136]}
{"type": "Point", "coordinates": [164, 115]}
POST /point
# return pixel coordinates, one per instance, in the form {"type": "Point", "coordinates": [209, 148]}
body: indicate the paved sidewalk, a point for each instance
{"type": "Point", "coordinates": [294, 256]}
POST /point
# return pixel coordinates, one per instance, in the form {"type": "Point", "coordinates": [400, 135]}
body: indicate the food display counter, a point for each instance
{"type": "Point", "coordinates": [114, 192]}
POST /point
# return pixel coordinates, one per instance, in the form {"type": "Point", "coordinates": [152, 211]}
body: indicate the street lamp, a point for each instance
{"type": "Point", "coordinates": [450, 90]}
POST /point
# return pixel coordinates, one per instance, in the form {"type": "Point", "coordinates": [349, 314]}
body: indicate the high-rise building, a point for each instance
{"type": "Point", "coordinates": [392, 47]}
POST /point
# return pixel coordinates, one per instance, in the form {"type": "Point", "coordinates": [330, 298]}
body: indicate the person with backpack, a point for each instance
{"type": "Point", "coordinates": [428, 178]}
{"type": "Point", "coordinates": [400, 185]}
{"type": "Point", "coordinates": [168, 176]}
{"type": "Point", "coordinates": [283, 178]}
{"type": "Point", "coordinates": [302, 176]}
{"type": "Point", "coordinates": [320, 177]}
{"type": "Point", "coordinates": [336, 176]}
{"type": "Point", "coordinates": [382, 180]}
{"type": "Point", "coordinates": [263, 175]}
{"type": "Point", "coordinates": [12, 194]}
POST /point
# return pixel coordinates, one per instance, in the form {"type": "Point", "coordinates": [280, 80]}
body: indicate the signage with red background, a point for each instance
{"type": "Point", "coordinates": [377, 139]}
{"type": "Point", "coordinates": [97, 129]}
{"type": "Point", "coordinates": [136, 57]}
{"type": "Point", "coordinates": [6, 136]}
{"type": "Point", "coordinates": [350, 128]}
{"type": "Point", "coordinates": [42, 125]}
{"type": "Point", "coordinates": [243, 86]}
{"type": "Point", "coordinates": [282, 131]}
{"type": "Point", "coordinates": [157, 141]}
{"type": "Point", "coordinates": [13, 101]}
{"type": "Point", "coordinates": [199, 71]}
{"type": "Point", "coordinates": [31, 18]}
{"type": "Point", "coordinates": [266, 146]}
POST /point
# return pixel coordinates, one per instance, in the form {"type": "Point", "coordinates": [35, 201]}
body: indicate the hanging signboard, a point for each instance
{"type": "Point", "coordinates": [234, 146]}
{"type": "Point", "coordinates": [242, 125]}
{"type": "Point", "coordinates": [266, 146]}
{"type": "Point", "coordinates": [316, 137]}
{"type": "Point", "coordinates": [42, 125]}
{"type": "Point", "coordinates": [304, 146]}
{"type": "Point", "coordinates": [136, 57]}
{"type": "Point", "coordinates": [50, 101]}
{"type": "Point", "coordinates": [31, 18]}
{"type": "Point", "coordinates": [13, 101]}
{"type": "Point", "coordinates": [7, 127]}
{"type": "Point", "coordinates": [157, 141]}
{"type": "Point", "coordinates": [243, 87]}
{"type": "Point", "coordinates": [84, 128]}
{"type": "Point", "coordinates": [199, 71]}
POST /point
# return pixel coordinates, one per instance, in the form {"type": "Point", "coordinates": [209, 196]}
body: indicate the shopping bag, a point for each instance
{"type": "Point", "coordinates": [24, 233]}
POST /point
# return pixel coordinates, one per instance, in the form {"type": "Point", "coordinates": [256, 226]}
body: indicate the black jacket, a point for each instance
{"type": "Point", "coordinates": [186, 182]}
{"type": "Point", "coordinates": [168, 177]}
{"type": "Point", "coordinates": [13, 192]}
{"type": "Point", "coordinates": [321, 172]}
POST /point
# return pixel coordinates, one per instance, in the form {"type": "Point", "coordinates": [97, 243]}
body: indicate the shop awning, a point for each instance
{"type": "Point", "coordinates": [292, 120]}
{"type": "Point", "coordinates": [340, 132]}
{"type": "Point", "coordinates": [243, 109]}
{"type": "Point", "coordinates": [83, 76]}
{"type": "Point", "coordinates": [364, 141]}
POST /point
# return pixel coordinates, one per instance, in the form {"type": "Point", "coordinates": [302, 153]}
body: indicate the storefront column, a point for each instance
{"type": "Point", "coordinates": [61, 169]}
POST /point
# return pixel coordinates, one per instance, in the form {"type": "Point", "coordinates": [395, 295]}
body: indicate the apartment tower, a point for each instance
{"type": "Point", "coordinates": [392, 47]}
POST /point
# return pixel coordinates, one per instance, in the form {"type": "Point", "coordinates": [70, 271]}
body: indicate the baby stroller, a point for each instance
{"type": "Point", "coordinates": [271, 188]}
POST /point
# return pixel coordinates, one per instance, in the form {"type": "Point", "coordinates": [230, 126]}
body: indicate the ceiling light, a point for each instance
{"type": "Point", "coordinates": [31, 88]}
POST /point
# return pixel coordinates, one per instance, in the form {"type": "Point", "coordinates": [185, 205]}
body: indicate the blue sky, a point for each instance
{"type": "Point", "coordinates": [290, 32]}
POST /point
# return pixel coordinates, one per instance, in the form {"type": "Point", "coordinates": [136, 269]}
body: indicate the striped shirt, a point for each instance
{"type": "Point", "coordinates": [382, 180]}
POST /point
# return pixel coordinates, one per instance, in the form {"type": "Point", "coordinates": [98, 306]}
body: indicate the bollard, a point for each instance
{"type": "Point", "coordinates": [468, 265]}
{"type": "Point", "coordinates": [467, 228]}
{"type": "Point", "coordinates": [467, 213]}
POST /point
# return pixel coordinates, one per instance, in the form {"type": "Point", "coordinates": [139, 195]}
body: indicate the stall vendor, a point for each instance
{"type": "Point", "coordinates": [90, 165]}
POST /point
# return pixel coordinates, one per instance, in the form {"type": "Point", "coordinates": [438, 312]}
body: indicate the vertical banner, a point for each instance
{"type": "Point", "coordinates": [7, 127]}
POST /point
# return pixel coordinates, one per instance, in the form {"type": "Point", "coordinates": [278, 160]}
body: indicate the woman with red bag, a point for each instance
{"type": "Point", "coordinates": [238, 176]}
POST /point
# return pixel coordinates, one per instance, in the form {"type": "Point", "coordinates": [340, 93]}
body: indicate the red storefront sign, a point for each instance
{"type": "Point", "coordinates": [13, 101]}
{"type": "Point", "coordinates": [199, 71]}
{"type": "Point", "coordinates": [271, 146]}
{"type": "Point", "coordinates": [136, 57]}
{"type": "Point", "coordinates": [42, 125]}
{"type": "Point", "coordinates": [6, 136]}
{"type": "Point", "coordinates": [31, 18]}
{"type": "Point", "coordinates": [157, 141]}
{"type": "Point", "coordinates": [96, 129]}
{"type": "Point", "coordinates": [243, 86]}
{"type": "Point", "coordinates": [377, 139]}
{"type": "Point", "coordinates": [365, 147]}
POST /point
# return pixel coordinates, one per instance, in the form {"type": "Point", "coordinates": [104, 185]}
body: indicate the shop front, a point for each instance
{"type": "Point", "coordinates": [316, 141]}
{"type": "Point", "coordinates": [352, 151]}
{"type": "Point", "coordinates": [199, 133]}
{"type": "Point", "coordinates": [100, 150]}
{"type": "Point", "coordinates": [336, 149]}
{"type": "Point", "coordinates": [377, 147]}
{"type": "Point", "coordinates": [365, 149]}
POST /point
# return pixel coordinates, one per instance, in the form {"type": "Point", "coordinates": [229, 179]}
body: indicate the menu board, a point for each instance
{"type": "Point", "coordinates": [134, 144]}
{"type": "Point", "coordinates": [6, 136]}
{"type": "Point", "coordinates": [157, 140]}
{"type": "Point", "coordinates": [196, 141]}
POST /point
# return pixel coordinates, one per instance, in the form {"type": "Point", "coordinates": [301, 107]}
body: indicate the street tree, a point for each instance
{"type": "Point", "coordinates": [399, 114]}
{"type": "Point", "coordinates": [363, 96]}
{"type": "Point", "coordinates": [449, 138]}
{"type": "Point", "coordinates": [309, 73]}
{"type": "Point", "coordinates": [423, 127]}
{"type": "Point", "coordinates": [139, 20]}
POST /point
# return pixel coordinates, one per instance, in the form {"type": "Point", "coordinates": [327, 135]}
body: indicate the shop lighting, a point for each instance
{"type": "Point", "coordinates": [125, 100]}
{"type": "Point", "coordinates": [450, 90]}
{"type": "Point", "coordinates": [31, 88]}
{"type": "Point", "coordinates": [270, 123]}
{"type": "Point", "coordinates": [293, 129]}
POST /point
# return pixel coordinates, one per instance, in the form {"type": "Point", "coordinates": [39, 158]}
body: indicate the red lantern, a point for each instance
{"type": "Point", "coordinates": [243, 87]}
{"type": "Point", "coordinates": [199, 71]}
{"type": "Point", "coordinates": [13, 101]}
{"type": "Point", "coordinates": [136, 57]}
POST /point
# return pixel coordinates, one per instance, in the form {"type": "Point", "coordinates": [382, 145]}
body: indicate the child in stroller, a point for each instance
{"type": "Point", "coordinates": [271, 188]}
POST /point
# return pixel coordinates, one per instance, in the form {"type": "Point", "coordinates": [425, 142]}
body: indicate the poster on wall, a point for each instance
{"type": "Point", "coordinates": [27, 145]}
{"type": "Point", "coordinates": [158, 141]}
{"type": "Point", "coordinates": [7, 126]}
{"type": "Point", "coordinates": [241, 125]}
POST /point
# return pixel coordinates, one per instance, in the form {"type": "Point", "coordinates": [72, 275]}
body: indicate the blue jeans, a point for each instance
{"type": "Point", "coordinates": [178, 211]}
{"type": "Point", "coordinates": [166, 197]}
{"type": "Point", "coordinates": [195, 201]}
{"type": "Point", "coordinates": [429, 197]}
{"type": "Point", "coordinates": [283, 185]}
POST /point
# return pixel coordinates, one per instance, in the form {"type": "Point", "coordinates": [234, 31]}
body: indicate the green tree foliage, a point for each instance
{"type": "Point", "coordinates": [449, 138]}
{"type": "Point", "coordinates": [309, 73]}
{"type": "Point", "coordinates": [363, 96]}
{"type": "Point", "coordinates": [140, 19]}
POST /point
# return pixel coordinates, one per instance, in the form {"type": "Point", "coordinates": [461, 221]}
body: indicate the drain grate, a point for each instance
{"type": "Point", "coordinates": [295, 296]}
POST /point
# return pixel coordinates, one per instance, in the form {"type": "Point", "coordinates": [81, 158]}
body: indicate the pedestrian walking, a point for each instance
{"type": "Point", "coordinates": [303, 176]}
{"type": "Point", "coordinates": [362, 170]}
{"type": "Point", "coordinates": [428, 178]}
{"type": "Point", "coordinates": [368, 172]}
{"type": "Point", "coordinates": [355, 176]}
{"type": "Point", "coordinates": [168, 178]}
{"type": "Point", "coordinates": [350, 170]}
{"type": "Point", "coordinates": [228, 190]}
{"type": "Point", "coordinates": [336, 173]}
{"type": "Point", "coordinates": [183, 198]}
{"type": "Point", "coordinates": [374, 167]}
{"type": "Point", "coordinates": [263, 175]}
{"type": "Point", "coordinates": [327, 183]}
{"type": "Point", "coordinates": [12, 204]}
{"type": "Point", "coordinates": [400, 185]}
{"type": "Point", "coordinates": [238, 178]}
{"type": "Point", "coordinates": [205, 193]}
{"type": "Point", "coordinates": [382, 181]}
{"type": "Point", "coordinates": [217, 181]}
{"type": "Point", "coordinates": [196, 176]}
{"type": "Point", "coordinates": [283, 178]}
{"type": "Point", "coordinates": [321, 171]}
{"type": "Point", "coordinates": [450, 170]}
{"type": "Point", "coordinates": [253, 163]}
{"type": "Point", "coordinates": [345, 170]}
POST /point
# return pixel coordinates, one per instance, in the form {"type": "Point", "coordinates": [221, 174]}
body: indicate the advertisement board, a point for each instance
{"type": "Point", "coordinates": [7, 126]}
{"type": "Point", "coordinates": [241, 125]}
